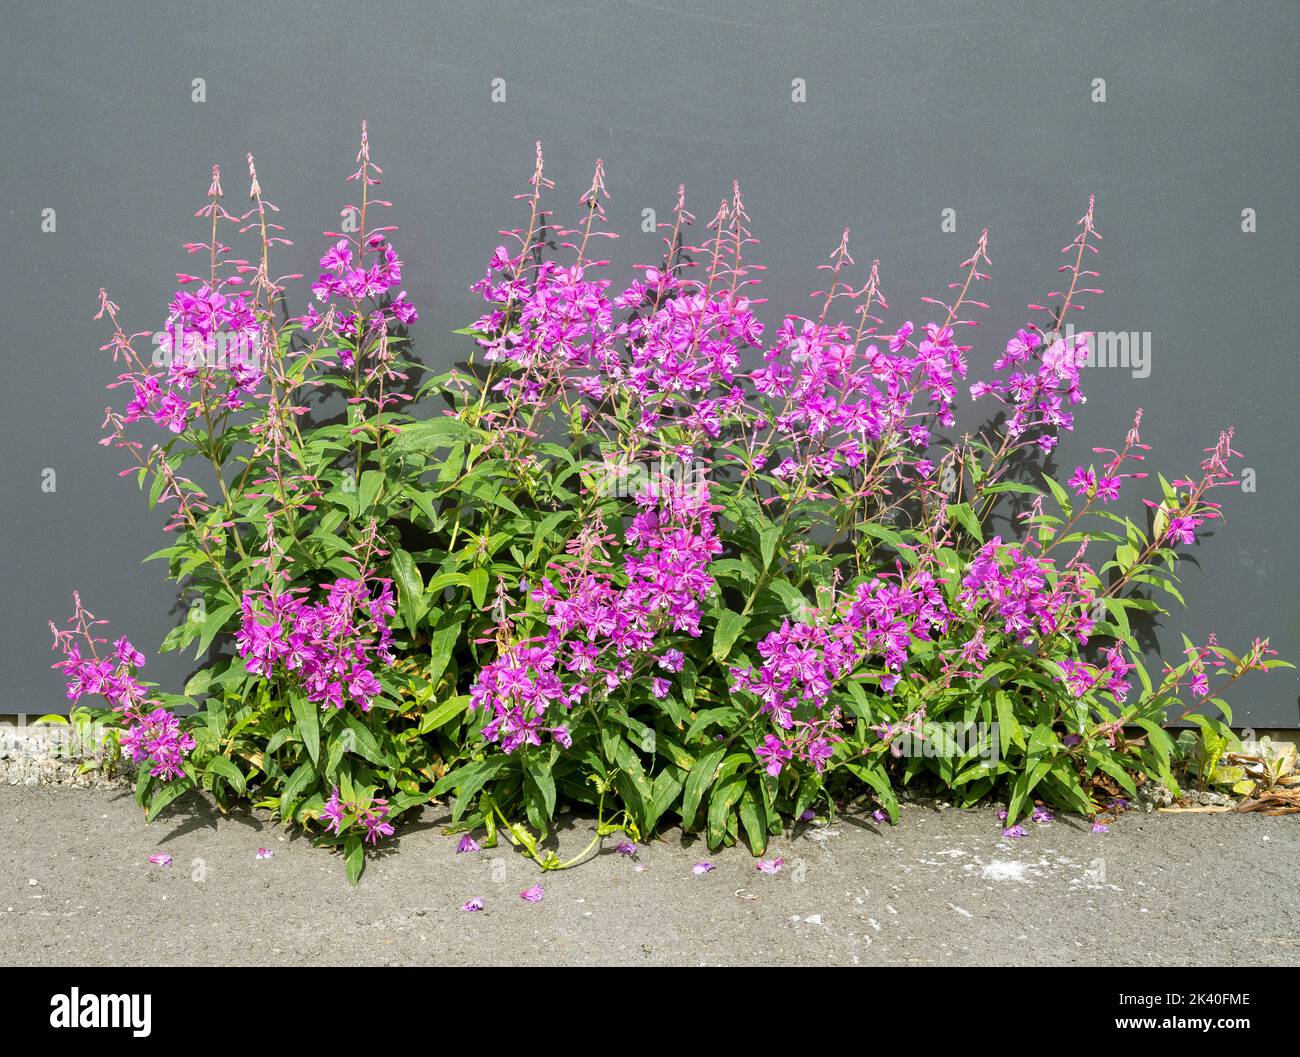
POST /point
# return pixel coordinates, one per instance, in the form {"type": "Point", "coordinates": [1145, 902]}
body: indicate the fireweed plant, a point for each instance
{"type": "Point", "coordinates": [638, 552]}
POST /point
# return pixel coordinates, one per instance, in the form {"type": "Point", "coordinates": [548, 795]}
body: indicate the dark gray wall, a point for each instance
{"type": "Point", "coordinates": [911, 108]}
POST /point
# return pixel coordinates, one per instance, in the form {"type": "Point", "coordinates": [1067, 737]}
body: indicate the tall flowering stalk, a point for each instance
{"type": "Point", "coordinates": [654, 547]}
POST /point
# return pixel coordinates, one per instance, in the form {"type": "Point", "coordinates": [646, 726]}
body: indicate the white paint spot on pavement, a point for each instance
{"type": "Point", "coordinates": [1007, 870]}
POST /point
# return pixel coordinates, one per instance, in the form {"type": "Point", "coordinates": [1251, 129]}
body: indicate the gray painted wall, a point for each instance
{"type": "Point", "coordinates": [912, 108]}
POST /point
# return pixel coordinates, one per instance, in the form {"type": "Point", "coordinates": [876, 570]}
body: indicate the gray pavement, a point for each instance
{"type": "Point", "coordinates": [943, 887]}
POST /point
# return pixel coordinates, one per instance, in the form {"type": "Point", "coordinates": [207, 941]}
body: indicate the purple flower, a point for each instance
{"type": "Point", "coordinates": [879, 815]}
{"type": "Point", "coordinates": [467, 843]}
{"type": "Point", "coordinates": [1014, 831]}
{"type": "Point", "coordinates": [263, 853]}
{"type": "Point", "coordinates": [1182, 529]}
{"type": "Point", "coordinates": [328, 648]}
{"type": "Point", "coordinates": [702, 868]}
{"type": "Point", "coordinates": [158, 739]}
{"type": "Point", "coordinates": [1083, 481]}
{"type": "Point", "coordinates": [598, 621]}
{"type": "Point", "coordinates": [1078, 677]}
{"type": "Point", "coordinates": [473, 905]}
{"type": "Point", "coordinates": [671, 661]}
{"type": "Point", "coordinates": [773, 753]}
{"type": "Point", "coordinates": [161, 859]}
{"type": "Point", "coordinates": [332, 813]}
{"type": "Point", "coordinates": [1041, 814]}
{"type": "Point", "coordinates": [625, 847]}
{"type": "Point", "coordinates": [533, 895]}
{"type": "Point", "coordinates": [1100, 827]}
{"type": "Point", "coordinates": [769, 865]}
{"type": "Point", "coordinates": [172, 412]}
{"type": "Point", "coordinates": [374, 819]}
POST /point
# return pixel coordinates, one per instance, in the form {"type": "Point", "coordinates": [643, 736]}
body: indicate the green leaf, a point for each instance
{"type": "Point", "coordinates": [725, 796]}
{"type": "Point", "coordinates": [698, 781]}
{"type": "Point", "coordinates": [966, 518]}
{"type": "Point", "coordinates": [308, 719]}
{"type": "Point", "coordinates": [354, 855]}
{"type": "Point", "coordinates": [363, 742]}
{"type": "Point", "coordinates": [226, 768]}
{"type": "Point", "coordinates": [296, 784]}
{"type": "Point", "coordinates": [432, 433]}
{"type": "Point", "coordinates": [198, 683]}
{"type": "Point", "coordinates": [368, 490]}
{"type": "Point", "coordinates": [667, 787]}
{"type": "Point", "coordinates": [753, 818]}
{"type": "Point", "coordinates": [730, 625]}
{"type": "Point", "coordinates": [767, 541]}
{"type": "Point", "coordinates": [212, 624]}
{"type": "Point", "coordinates": [1061, 495]}
{"type": "Point", "coordinates": [478, 584]}
{"type": "Point", "coordinates": [468, 781]}
{"type": "Point", "coordinates": [880, 532]}
{"type": "Point", "coordinates": [441, 643]}
{"type": "Point", "coordinates": [410, 588]}
{"type": "Point", "coordinates": [1008, 726]}
{"type": "Point", "coordinates": [538, 774]}
{"type": "Point", "coordinates": [791, 597]}
{"type": "Point", "coordinates": [1024, 785]}
{"type": "Point", "coordinates": [167, 794]}
{"type": "Point", "coordinates": [875, 777]}
{"type": "Point", "coordinates": [444, 713]}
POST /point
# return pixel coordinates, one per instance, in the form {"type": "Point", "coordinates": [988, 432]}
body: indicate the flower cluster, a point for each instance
{"type": "Point", "coordinates": [157, 737]}
{"type": "Point", "coordinates": [212, 345]}
{"type": "Point", "coordinates": [598, 624]}
{"type": "Point", "coordinates": [1186, 516]}
{"type": "Point", "coordinates": [1038, 393]}
{"type": "Point", "coordinates": [153, 736]}
{"type": "Point", "coordinates": [838, 398]}
{"type": "Point", "coordinates": [802, 662]}
{"type": "Point", "coordinates": [372, 815]}
{"type": "Point", "coordinates": [1026, 592]}
{"type": "Point", "coordinates": [346, 277]}
{"type": "Point", "coordinates": [329, 648]}
{"type": "Point", "coordinates": [831, 556]}
{"type": "Point", "coordinates": [1080, 677]}
{"type": "Point", "coordinates": [1044, 365]}
{"type": "Point", "coordinates": [361, 268]}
